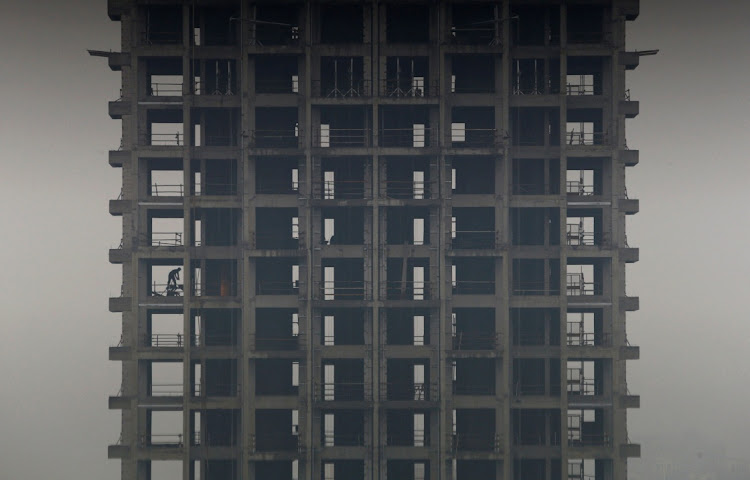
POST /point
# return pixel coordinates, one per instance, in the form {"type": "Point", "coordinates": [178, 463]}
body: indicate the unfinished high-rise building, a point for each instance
{"type": "Point", "coordinates": [373, 240]}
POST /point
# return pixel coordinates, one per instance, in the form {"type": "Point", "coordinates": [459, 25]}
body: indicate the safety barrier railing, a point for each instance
{"type": "Point", "coordinates": [587, 37]}
{"type": "Point", "coordinates": [283, 241]}
{"type": "Point", "coordinates": [475, 389]}
{"type": "Point", "coordinates": [274, 442]}
{"type": "Point", "coordinates": [588, 339]}
{"type": "Point", "coordinates": [157, 340]}
{"type": "Point", "coordinates": [271, 187]}
{"type": "Point", "coordinates": [166, 190]}
{"type": "Point", "coordinates": [340, 189]}
{"type": "Point", "coordinates": [529, 340]}
{"type": "Point", "coordinates": [581, 89]}
{"type": "Point", "coordinates": [576, 439]}
{"type": "Point", "coordinates": [216, 389]}
{"type": "Point", "coordinates": [523, 389]}
{"type": "Point", "coordinates": [166, 290]}
{"type": "Point", "coordinates": [474, 287]}
{"type": "Point", "coordinates": [576, 236]}
{"type": "Point", "coordinates": [474, 137]}
{"type": "Point", "coordinates": [342, 290]}
{"type": "Point", "coordinates": [167, 37]}
{"type": "Point", "coordinates": [407, 290]}
{"type": "Point", "coordinates": [165, 390]}
{"type": "Point", "coordinates": [344, 392]}
{"type": "Point", "coordinates": [530, 87]}
{"type": "Point", "coordinates": [215, 188]}
{"type": "Point", "coordinates": [276, 287]}
{"type": "Point", "coordinates": [166, 239]}
{"type": "Point", "coordinates": [474, 239]}
{"type": "Point", "coordinates": [219, 141]}
{"type": "Point", "coordinates": [348, 89]}
{"type": "Point", "coordinates": [176, 139]}
{"type": "Point", "coordinates": [275, 139]}
{"type": "Point", "coordinates": [585, 138]}
{"type": "Point", "coordinates": [161, 440]}
{"type": "Point", "coordinates": [277, 86]}
{"type": "Point", "coordinates": [575, 187]}
{"type": "Point", "coordinates": [342, 137]}
{"type": "Point", "coordinates": [263, 34]}
{"type": "Point", "coordinates": [416, 438]}
{"type": "Point", "coordinates": [481, 442]}
{"type": "Point", "coordinates": [262, 342]}
{"type": "Point", "coordinates": [475, 340]}
{"type": "Point", "coordinates": [408, 87]}
{"type": "Point", "coordinates": [536, 439]}
{"type": "Point", "coordinates": [473, 90]}
{"type": "Point", "coordinates": [165, 89]}
{"type": "Point", "coordinates": [407, 391]}
{"type": "Point", "coordinates": [407, 189]}
{"type": "Point", "coordinates": [578, 384]}
{"type": "Point", "coordinates": [576, 285]}
{"type": "Point", "coordinates": [531, 189]}
{"type": "Point", "coordinates": [332, 439]}
{"type": "Point", "coordinates": [405, 137]}
{"type": "Point", "coordinates": [214, 340]}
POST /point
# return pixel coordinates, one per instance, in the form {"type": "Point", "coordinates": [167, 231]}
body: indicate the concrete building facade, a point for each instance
{"type": "Point", "coordinates": [400, 234]}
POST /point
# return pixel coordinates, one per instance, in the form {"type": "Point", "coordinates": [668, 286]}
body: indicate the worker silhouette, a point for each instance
{"type": "Point", "coordinates": [174, 275]}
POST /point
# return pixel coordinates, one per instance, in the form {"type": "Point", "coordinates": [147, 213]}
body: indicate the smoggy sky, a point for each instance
{"type": "Point", "coordinates": [693, 376]}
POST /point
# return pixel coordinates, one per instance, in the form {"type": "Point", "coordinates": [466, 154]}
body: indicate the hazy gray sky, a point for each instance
{"type": "Point", "coordinates": [693, 377]}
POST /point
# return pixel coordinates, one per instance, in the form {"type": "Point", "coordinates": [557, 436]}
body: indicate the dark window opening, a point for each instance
{"type": "Point", "coordinates": [473, 175]}
{"type": "Point", "coordinates": [408, 178]}
{"type": "Point", "coordinates": [275, 25]}
{"type": "Point", "coordinates": [276, 228]}
{"type": "Point", "coordinates": [535, 226]}
{"type": "Point", "coordinates": [536, 176]}
{"type": "Point", "coordinates": [539, 427]}
{"type": "Point", "coordinates": [341, 178]}
{"type": "Point", "coordinates": [474, 376]}
{"type": "Point", "coordinates": [473, 127]}
{"type": "Point", "coordinates": [275, 376]}
{"type": "Point", "coordinates": [215, 127]}
{"type": "Point", "coordinates": [407, 327]}
{"type": "Point", "coordinates": [474, 329]}
{"type": "Point", "coordinates": [473, 276]}
{"type": "Point", "coordinates": [343, 226]}
{"type": "Point", "coordinates": [213, 327]}
{"type": "Point", "coordinates": [475, 430]}
{"type": "Point", "coordinates": [343, 127]}
{"type": "Point", "coordinates": [408, 379]}
{"type": "Point", "coordinates": [273, 430]}
{"type": "Point", "coordinates": [585, 24]}
{"type": "Point", "coordinates": [276, 175]}
{"type": "Point", "coordinates": [276, 329]}
{"type": "Point", "coordinates": [215, 77]}
{"type": "Point", "coordinates": [276, 127]}
{"type": "Point", "coordinates": [163, 25]}
{"type": "Point", "coordinates": [475, 24]}
{"type": "Point", "coordinates": [341, 77]}
{"type": "Point", "coordinates": [473, 74]}
{"type": "Point", "coordinates": [536, 76]}
{"type": "Point", "coordinates": [533, 276]}
{"type": "Point", "coordinates": [276, 276]}
{"type": "Point", "coordinates": [535, 126]}
{"type": "Point", "coordinates": [533, 327]}
{"type": "Point", "coordinates": [407, 23]}
{"type": "Point", "coordinates": [216, 27]}
{"type": "Point", "coordinates": [276, 74]}
{"type": "Point", "coordinates": [473, 227]}
{"type": "Point", "coordinates": [341, 24]}
{"type": "Point", "coordinates": [535, 25]}
{"type": "Point", "coordinates": [407, 226]}
{"type": "Point", "coordinates": [407, 126]}
{"type": "Point", "coordinates": [408, 279]}
{"type": "Point", "coordinates": [216, 227]}
{"type": "Point", "coordinates": [343, 326]}
{"type": "Point", "coordinates": [407, 77]}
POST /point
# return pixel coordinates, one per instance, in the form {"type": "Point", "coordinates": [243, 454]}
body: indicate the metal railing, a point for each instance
{"type": "Point", "coordinates": [157, 340]}
{"type": "Point", "coordinates": [275, 241]}
{"type": "Point", "coordinates": [576, 236]}
{"type": "Point", "coordinates": [531, 189]}
{"type": "Point", "coordinates": [482, 442]}
{"type": "Point", "coordinates": [407, 88]}
{"type": "Point", "coordinates": [344, 391]}
{"type": "Point", "coordinates": [166, 290]}
{"type": "Point", "coordinates": [215, 389]}
{"type": "Point", "coordinates": [475, 340]}
{"type": "Point", "coordinates": [161, 440]}
{"type": "Point", "coordinates": [164, 89]}
{"type": "Point", "coordinates": [218, 141]}
{"type": "Point", "coordinates": [474, 287]}
{"type": "Point", "coordinates": [577, 384]}
{"type": "Point", "coordinates": [275, 139]}
{"type": "Point", "coordinates": [581, 89]}
{"type": "Point", "coordinates": [342, 290]}
{"type": "Point", "coordinates": [277, 86]}
{"type": "Point", "coordinates": [336, 189]}
{"type": "Point", "coordinates": [587, 339]}
{"type": "Point", "coordinates": [277, 188]}
{"type": "Point", "coordinates": [576, 285]}
{"type": "Point", "coordinates": [167, 37]}
{"type": "Point", "coordinates": [215, 188]}
{"type": "Point", "coordinates": [575, 137]}
{"type": "Point", "coordinates": [407, 391]}
{"type": "Point", "coordinates": [269, 442]}
{"type": "Point", "coordinates": [407, 189]}
{"type": "Point", "coordinates": [474, 239]}
{"type": "Point", "coordinates": [576, 187]}
{"type": "Point", "coordinates": [268, 343]}
{"type": "Point", "coordinates": [474, 138]}
{"type": "Point", "coordinates": [522, 389]}
{"type": "Point", "coordinates": [176, 139]}
{"type": "Point", "coordinates": [354, 89]}
{"type": "Point", "coordinates": [473, 389]}
{"type": "Point", "coordinates": [537, 439]}
{"type": "Point", "coordinates": [163, 190]}
{"type": "Point", "coordinates": [332, 439]}
{"type": "Point", "coordinates": [165, 390]}
{"type": "Point", "coordinates": [418, 438]}
{"type": "Point", "coordinates": [405, 137]}
{"type": "Point", "coordinates": [342, 137]}
{"type": "Point", "coordinates": [407, 290]}
{"type": "Point", "coordinates": [166, 239]}
{"type": "Point", "coordinates": [576, 439]}
{"type": "Point", "coordinates": [276, 287]}
{"type": "Point", "coordinates": [588, 37]}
